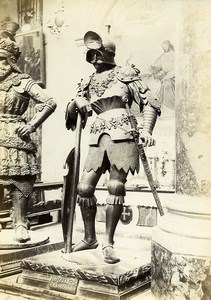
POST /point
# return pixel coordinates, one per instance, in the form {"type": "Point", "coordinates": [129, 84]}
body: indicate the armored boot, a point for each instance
{"type": "Point", "coordinates": [87, 203]}
{"type": "Point", "coordinates": [21, 222]}
{"type": "Point", "coordinates": [89, 241]}
{"type": "Point", "coordinates": [113, 213]}
{"type": "Point", "coordinates": [114, 209]}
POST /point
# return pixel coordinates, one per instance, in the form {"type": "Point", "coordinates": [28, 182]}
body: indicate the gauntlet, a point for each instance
{"type": "Point", "coordinates": [81, 105]}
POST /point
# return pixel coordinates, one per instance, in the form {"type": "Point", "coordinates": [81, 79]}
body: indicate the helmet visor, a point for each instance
{"type": "Point", "coordinates": [94, 56]}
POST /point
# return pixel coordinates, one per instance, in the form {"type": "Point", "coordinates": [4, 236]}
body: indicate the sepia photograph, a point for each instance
{"type": "Point", "coordinates": [105, 150]}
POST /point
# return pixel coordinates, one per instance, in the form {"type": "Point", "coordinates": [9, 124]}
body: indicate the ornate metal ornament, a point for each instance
{"type": "Point", "coordinates": [109, 124]}
{"type": "Point", "coordinates": [99, 85]}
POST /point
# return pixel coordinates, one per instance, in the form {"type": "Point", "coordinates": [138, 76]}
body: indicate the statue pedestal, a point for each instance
{"type": "Point", "coordinates": [84, 274]}
{"type": "Point", "coordinates": [181, 250]}
{"type": "Point", "coordinates": [12, 253]}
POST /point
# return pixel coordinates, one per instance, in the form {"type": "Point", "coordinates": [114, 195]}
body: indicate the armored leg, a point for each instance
{"type": "Point", "coordinates": [21, 222]}
{"type": "Point", "coordinates": [114, 207]}
{"type": "Point", "coordinates": [87, 203]}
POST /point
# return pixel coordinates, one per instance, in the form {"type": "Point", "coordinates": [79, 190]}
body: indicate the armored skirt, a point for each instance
{"type": "Point", "coordinates": [121, 154]}
{"type": "Point", "coordinates": [18, 165]}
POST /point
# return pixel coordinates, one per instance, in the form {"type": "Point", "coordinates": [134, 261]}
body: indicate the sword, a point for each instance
{"type": "Point", "coordinates": [140, 147]}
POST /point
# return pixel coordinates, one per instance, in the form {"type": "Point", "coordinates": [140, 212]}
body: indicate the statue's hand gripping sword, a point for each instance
{"type": "Point", "coordinates": [140, 147]}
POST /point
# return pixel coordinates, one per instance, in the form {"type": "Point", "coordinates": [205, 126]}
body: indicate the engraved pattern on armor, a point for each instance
{"type": "Point", "coordinates": [17, 154]}
{"type": "Point", "coordinates": [17, 170]}
{"type": "Point", "coordinates": [12, 79]}
{"type": "Point", "coordinates": [8, 118]}
{"type": "Point", "coordinates": [17, 143]}
{"type": "Point", "coordinates": [83, 86]}
{"type": "Point", "coordinates": [15, 103]}
{"type": "Point", "coordinates": [98, 86]}
{"type": "Point", "coordinates": [114, 123]}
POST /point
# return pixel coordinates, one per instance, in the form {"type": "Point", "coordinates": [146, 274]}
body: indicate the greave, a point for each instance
{"type": "Point", "coordinates": [20, 204]}
{"type": "Point", "coordinates": [88, 215]}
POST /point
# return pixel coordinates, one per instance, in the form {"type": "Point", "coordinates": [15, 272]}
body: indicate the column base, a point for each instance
{"type": "Point", "coordinates": [181, 250]}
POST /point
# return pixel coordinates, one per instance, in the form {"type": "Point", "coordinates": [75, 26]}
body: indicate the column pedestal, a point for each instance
{"type": "Point", "coordinates": [181, 250]}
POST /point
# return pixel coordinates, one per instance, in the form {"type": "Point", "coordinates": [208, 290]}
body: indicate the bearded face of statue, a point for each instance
{"type": "Point", "coordinates": [5, 67]}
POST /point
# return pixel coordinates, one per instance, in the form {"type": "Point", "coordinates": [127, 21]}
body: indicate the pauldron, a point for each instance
{"type": "Point", "coordinates": [128, 73]}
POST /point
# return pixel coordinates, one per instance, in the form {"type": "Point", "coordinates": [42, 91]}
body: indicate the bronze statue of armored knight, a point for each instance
{"type": "Point", "coordinates": [112, 146]}
{"type": "Point", "coordinates": [18, 164]}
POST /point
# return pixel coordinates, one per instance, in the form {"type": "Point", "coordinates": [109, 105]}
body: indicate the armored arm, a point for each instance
{"type": "Point", "coordinates": [151, 110]}
{"type": "Point", "coordinates": [45, 106]}
{"type": "Point", "coordinates": [141, 94]}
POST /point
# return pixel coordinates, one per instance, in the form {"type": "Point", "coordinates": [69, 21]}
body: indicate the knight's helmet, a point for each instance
{"type": "Point", "coordinates": [8, 46]}
{"type": "Point", "coordinates": [105, 47]}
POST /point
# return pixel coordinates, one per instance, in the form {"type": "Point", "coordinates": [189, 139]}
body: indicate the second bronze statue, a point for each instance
{"type": "Point", "coordinates": [18, 162]}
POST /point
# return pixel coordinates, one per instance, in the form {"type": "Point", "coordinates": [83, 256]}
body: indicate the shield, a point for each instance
{"type": "Point", "coordinates": [127, 215]}
{"type": "Point", "coordinates": [70, 188]}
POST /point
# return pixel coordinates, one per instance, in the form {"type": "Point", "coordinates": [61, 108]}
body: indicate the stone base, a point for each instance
{"type": "Point", "coordinates": [12, 253]}
{"type": "Point", "coordinates": [87, 276]}
{"type": "Point", "coordinates": [7, 240]}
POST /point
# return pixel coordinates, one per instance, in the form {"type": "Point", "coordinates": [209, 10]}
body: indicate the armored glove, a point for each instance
{"type": "Point", "coordinates": [81, 105]}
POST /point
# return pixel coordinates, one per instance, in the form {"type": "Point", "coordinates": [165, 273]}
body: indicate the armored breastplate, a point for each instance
{"type": "Point", "coordinates": [105, 85]}
{"type": "Point", "coordinates": [13, 103]}
{"type": "Point", "coordinates": [105, 95]}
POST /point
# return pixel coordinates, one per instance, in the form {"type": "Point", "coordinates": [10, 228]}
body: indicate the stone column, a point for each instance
{"type": "Point", "coordinates": [181, 245]}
